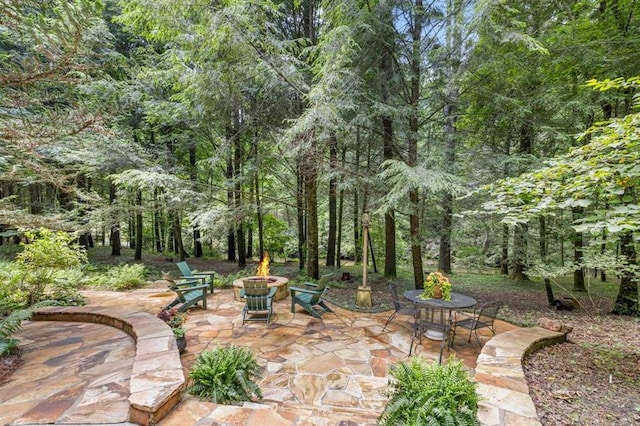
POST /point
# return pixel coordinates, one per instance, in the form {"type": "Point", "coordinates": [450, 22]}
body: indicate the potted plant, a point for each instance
{"type": "Point", "coordinates": [176, 319]}
{"type": "Point", "coordinates": [436, 286]}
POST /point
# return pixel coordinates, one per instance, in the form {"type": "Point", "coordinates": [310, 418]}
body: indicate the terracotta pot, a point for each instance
{"type": "Point", "coordinates": [437, 292]}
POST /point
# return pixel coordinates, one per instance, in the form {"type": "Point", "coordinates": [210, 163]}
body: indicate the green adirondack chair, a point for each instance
{"type": "Point", "coordinates": [259, 300]}
{"type": "Point", "coordinates": [206, 277]}
{"type": "Point", "coordinates": [188, 294]}
{"type": "Point", "coordinates": [310, 297]}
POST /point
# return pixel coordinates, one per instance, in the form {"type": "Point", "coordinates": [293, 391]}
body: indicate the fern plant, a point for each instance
{"type": "Point", "coordinates": [12, 323]}
{"type": "Point", "coordinates": [121, 277]}
{"type": "Point", "coordinates": [430, 394]}
{"type": "Point", "coordinates": [226, 375]}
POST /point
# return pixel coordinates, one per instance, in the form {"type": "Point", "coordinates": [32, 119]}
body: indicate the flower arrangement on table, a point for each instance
{"type": "Point", "coordinates": [174, 319]}
{"type": "Point", "coordinates": [436, 286]}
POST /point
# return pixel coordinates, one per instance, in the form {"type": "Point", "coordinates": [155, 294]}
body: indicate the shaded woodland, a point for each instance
{"type": "Point", "coordinates": [476, 134]}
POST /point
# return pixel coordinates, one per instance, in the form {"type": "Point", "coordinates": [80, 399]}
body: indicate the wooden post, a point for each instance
{"type": "Point", "coordinates": [363, 298]}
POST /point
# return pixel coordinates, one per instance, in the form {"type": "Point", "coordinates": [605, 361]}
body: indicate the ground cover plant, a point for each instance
{"type": "Point", "coordinates": [226, 375]}
{"type": "Point", "coordinates": [423, 394]}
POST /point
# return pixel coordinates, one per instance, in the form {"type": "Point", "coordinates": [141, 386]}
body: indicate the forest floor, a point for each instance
{"type": "Point", "coordinates": [593, 379]}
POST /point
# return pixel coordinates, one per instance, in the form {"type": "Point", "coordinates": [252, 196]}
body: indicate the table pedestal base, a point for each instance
{"type": "Point", "coordinates": [434, 335]}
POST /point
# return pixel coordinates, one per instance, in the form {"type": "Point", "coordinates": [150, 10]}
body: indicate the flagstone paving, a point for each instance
{"type": "Point", "coordinates": [325, 371]}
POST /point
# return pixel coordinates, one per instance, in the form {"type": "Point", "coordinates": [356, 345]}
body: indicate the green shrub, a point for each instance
{"type": "Point", "coordinates": [12, 295]}
{"type": "Point", "coordinates": [39, 261]}
{"type": "Point", "coordinates": [225, 375]}
{"type": "Point", "coordinates": [430, 394]}
{"type": "Point", "coordinates": [67, 284]}
{"type": "Point", "coordinates": [122, 277]}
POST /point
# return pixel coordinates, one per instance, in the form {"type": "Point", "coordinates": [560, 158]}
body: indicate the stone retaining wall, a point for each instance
{"type": "Point", "coordinates": [502, 387]}
{"type": "Point", "coordinates": [157, 378]}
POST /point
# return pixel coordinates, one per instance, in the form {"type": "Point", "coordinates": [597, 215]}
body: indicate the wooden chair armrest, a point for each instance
{"type": "Point", "coordinates": [190, 283]}
{"type": "Point", "coordinates": [194, 277]}
{"type": "Point", "coordinates": [204, 273]}
{"type": "Point", "coordinates": [294, 290]}
{"type": "Point", "coordinates": [186, 289]}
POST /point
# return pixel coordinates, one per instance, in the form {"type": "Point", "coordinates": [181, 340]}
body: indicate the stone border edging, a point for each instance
{"type": "Point", "coordinates": [157, 378]}
{"type": "Point", "coordinates": [503, 390]}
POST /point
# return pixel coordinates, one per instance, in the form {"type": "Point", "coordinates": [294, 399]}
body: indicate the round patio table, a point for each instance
{"type": "Point", "coordinates": [458, 301]}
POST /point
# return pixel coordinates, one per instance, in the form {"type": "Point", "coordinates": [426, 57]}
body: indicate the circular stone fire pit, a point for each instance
{"type": "Point", "coordinates": [280, 282]}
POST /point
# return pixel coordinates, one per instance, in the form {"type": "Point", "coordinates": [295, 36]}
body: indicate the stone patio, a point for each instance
{"type": "Point", "coordinates": [317, 372]}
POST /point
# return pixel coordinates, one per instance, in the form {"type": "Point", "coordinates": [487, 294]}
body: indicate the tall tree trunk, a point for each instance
{"type": "Point", "coordinates": [300, 210]}
{"type": "Point", "coordinates": [454, 42]}
{"type": "Point", "coordinates": [519, 253]}
{"type": "Point", "coordinates": [177, 237]}
{"type": "Point", "coordinates": [603, 249]}
{"type": "Point", "coordinates": [83, 183]}
{"type": "Point", "coordinates": [231, 232]}
{"type": "Point", "coordinates": [504, 253]}
{"type": "Point", "coordinates": [627, 300]}
{"type": "Point", "coordinates": [390, 269]}
{"type": "Point", "coordinates": [543, 255]}
{"type": "Point", "coordinates": [311, 192]}
{"type": "Point", "coordinates": [193, 175]}
{"type": "Point", "coordinates": [388, 154]}
{"type": "Point", "coordinates": [131, 221]}
{"type": "Point", "coordinates": [520, 232]}
{"type": "Point", "coordinates": [333, 184]}
{"type": "Point", "coordinates": [343, 157]}
{"type": "Point", "coordinates": [157, 223]}
{"type": "Point", "coordinates": [412, 141]}
{"type": "Point", "coordinates": [260, 218]}
{"type": "Point", "coordinates": [138, 252]}
{"type": "Point", "coordinates": [578, 255]}
{"type": "Point", "coordinates": [238, 199]}
{"type": "Point", "coordinates": [114, 238]}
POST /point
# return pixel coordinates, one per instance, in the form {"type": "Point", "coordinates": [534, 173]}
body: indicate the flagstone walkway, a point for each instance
{"type": "Point", "coordinates": [325, 371]}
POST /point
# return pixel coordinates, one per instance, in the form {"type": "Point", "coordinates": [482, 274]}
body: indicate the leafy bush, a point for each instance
{"type": "Point", "coordinates": [122, 277]}
{"type": "Point", "coordinates": [66, 285]}
{"type": "Point", "coordinates": [39, 261]}
{"type": "Point", "coordinates": [225, 375]}
{"type": "Point", "coordinates": [12, 295]}
{"type": "Point", "coordinates": [425, 394]}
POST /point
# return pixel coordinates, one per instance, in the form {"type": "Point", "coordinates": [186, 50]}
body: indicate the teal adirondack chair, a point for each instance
{"type": "Point", "coordinates": [310, 297]}
{"type": "Point", "coordinates": [206, 277]}
{"type": "Point", "coordinates": [188, 294]}
{"type": "Point", "coordinates": [259, 300]}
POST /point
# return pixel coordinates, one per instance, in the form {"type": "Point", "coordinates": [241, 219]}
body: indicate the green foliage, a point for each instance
{"type": "Point", "coordinates": [12, 295]}
{"type": "Point", "coordinates": [225, 375]}
{"type": "Point", "coordinates": [66, 285]}
{"type": "Point", "coordinates": [11, 323]}
{"type": "Point", "coordinates": [121, 277]}
{"type": "Point", "coordinates": [41, 259]}
{"type": "Point", "coordinates": [275, 234]}
{"type": "Point", "coordinates": [432, 394]}
{"type": "Point", "coordinates": [8, 326]}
